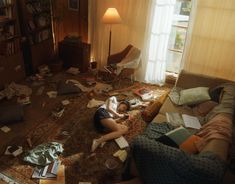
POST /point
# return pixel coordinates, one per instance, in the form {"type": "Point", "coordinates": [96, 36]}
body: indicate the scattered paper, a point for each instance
{"type": "Point", "coordinates": [5, 129]}
{"type": "Point", "coordinates": [58, 112]}
{"type": "Point", "coordinates": [14, 150]}
{"type": "Point", "coordinates": [49, 171]}
{"type": "Point", "coordinates": [122, 143]}
{"type": "Point", "coordinates": [73, 71]}
{"type": "Point", "coordinates": [65, 102]}
{"type": "Point", "coordinates": [191, 121]}
{"type": "Point", "coordinates": [24, 100]}
{"type": "Point", "coordinates": [52, 94]}
{"type": "Point", "coordinates": [94, 103]}
{"type": "Point", "coordinates": [121, 154]}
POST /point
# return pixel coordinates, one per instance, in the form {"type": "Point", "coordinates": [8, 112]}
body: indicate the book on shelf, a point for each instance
{"type": "Point", "coordinates": [10, 47]}
{"type": "Point", "coordinates": [176, 119]}
{"type": "Point", "coordinates": [31, 25]}
{"type": "Point", "coordinates": [30, 8]}
{"type": "Point", "coordinates": [5, 2]}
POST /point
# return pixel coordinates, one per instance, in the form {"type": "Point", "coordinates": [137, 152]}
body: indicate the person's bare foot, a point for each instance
{"type": "Point", "coordinates": [132, 181]}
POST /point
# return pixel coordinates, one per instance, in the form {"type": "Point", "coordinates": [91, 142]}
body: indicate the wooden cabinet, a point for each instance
{"type": "Point", "coordinates": [75, 55]}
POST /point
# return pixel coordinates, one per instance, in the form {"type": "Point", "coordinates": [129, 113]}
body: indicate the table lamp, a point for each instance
{"type": "Point", "coordinates": [111, 17]}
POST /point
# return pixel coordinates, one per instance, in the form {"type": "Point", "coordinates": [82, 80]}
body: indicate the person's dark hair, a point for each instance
{"type": "Point", "coordinates": [127, 103]}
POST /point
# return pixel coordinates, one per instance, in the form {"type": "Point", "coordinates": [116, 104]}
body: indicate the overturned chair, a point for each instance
{"type": "Point", "coordinates": [126, 62]}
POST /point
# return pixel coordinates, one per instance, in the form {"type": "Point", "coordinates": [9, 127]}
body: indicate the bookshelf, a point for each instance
{"type": "Point", "coordinates": [11, 58]}
{"type": "Point", "coordinates": [36, 27]}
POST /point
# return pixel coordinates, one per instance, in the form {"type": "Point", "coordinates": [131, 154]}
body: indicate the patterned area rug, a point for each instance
{"type": "Point", "coordinates": [77, 122]}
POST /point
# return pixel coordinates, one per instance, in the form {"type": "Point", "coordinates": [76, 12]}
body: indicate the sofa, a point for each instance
{"type": "Point", "coordinates": [159, 163]}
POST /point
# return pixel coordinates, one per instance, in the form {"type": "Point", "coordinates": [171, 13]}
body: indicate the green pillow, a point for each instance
{"type": "Point", "coordinates": [194, 96]}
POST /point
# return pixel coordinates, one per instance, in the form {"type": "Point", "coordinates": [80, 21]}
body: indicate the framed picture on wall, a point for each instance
{"type": "Point", "coordinates": [73, 5]}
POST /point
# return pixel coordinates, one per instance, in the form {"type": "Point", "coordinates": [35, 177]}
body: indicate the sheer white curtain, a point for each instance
{"type": "Point", "coordinates": [211, 50]}
{"type": "Point", "coordinates": [159, 33]}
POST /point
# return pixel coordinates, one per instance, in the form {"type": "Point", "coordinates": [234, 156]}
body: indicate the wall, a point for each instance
{"type": "Point", "coordinates": [212, 47]}
{"type": "Point", "coordinates": [69, 21]}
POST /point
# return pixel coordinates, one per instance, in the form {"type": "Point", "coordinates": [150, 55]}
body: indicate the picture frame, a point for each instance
{"type": "Point", "coordinates": [73, 5]}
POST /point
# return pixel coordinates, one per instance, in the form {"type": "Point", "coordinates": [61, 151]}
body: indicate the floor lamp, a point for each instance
{"type": "Point", "coordinates": [111, 17]}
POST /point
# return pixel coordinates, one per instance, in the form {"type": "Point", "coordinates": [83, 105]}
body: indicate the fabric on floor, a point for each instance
{"type": "Point", "coordinates": [44, 154]}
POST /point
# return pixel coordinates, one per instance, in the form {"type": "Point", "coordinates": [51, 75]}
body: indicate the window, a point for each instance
{"type": "Point", "coordinates": [178, 35]}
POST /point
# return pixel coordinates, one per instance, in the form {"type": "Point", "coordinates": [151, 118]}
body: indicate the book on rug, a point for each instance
{"type": "Point", "coordinates": [60, 179]}
{"type": "Point", "coordinates": [49, 171]}
{"type": "Point", "coordinates": [179, 135]}
{"type": "Point", "coordinates": [144, 93]}
{"type": "Point", "coordinates": [176, 119]}
{"type": "Point", "coordinates": [121, 142]}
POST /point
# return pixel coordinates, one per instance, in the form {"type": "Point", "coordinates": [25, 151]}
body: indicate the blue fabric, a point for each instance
{"type": "Point", "coordinates": [161, 164]}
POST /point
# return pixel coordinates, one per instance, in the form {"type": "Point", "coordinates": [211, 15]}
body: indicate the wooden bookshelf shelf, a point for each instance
{"type": "Point", "coordinates": [36, 26]}
{"type": "Point", "coordinates": [11, 56]}
{"type": "Point", "coordinates": [6, 6]}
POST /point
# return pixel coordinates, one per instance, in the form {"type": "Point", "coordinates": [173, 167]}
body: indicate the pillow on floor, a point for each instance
{"type": "Point", "coordinates": [67, 88]}
{"type": "Point", "coordinates": [11, 113]}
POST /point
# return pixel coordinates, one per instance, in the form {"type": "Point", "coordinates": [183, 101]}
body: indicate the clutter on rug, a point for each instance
{"type": "Point", "coordinates": [94, 103]}
{"type": "Point", "coordinates": [44, 154]}
{"type": "Point", "coordinates": [60, 179]}
{"type": "Point", "coordinates": [14, 150]}
{"type": "Point", "coordinates": [58, 112]}
{"type": "Point", "coordinates": [23, 100]}
{"type": "Point", "coordinates": [14, 89]}
{"type": "Point", "coordinates": [52, 94]}
{"type": "Point", "coordinates": [121, 154]}
{"type": "Point", "coordinates": [111, 164]}
{"type": "Point", "coordinates": [121, 142]}
{"type": "Point", "coordinates": [5, 129]}
{"type": "Point", "coordinates": [145, 93]}
{"type": "Point", "coordinates": [73, 71]}
{"type": "Point", "coordinates": [47, 172]}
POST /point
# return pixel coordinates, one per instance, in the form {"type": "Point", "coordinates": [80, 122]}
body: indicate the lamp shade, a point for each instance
{"type": "Point", "coordinates": [111, 16]}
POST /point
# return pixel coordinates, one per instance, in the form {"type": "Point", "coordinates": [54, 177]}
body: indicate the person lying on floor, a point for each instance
{"type": "Point", "coordinates": [105, 120]}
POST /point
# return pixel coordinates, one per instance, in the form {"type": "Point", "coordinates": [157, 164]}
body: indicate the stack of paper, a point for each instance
{"type": "Point", "coordinates": [122, 143]}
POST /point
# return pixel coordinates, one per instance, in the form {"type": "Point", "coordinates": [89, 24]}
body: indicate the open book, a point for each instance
{"type": "Point", "coordinates": [176, 119]}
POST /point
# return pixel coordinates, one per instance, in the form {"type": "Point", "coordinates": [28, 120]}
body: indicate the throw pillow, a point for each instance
{"type": "Point", "coordinates": [189, 145]}
{"type": "Point", "coordinates": [152, 110]}
{"type": "Point", "coordinates": [204, 108]}
{"type": "Point", "coordinates": [67, 88]}
{"type": "Point", "coordinates": [194, 95]}
{"type": "Point", "coordinates": [11, 113]}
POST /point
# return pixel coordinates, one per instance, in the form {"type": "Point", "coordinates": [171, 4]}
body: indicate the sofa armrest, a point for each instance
{"type": "Point", "coordinates": [158, 163]}
{"type": "Point", "coordinates": [190, 80]}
